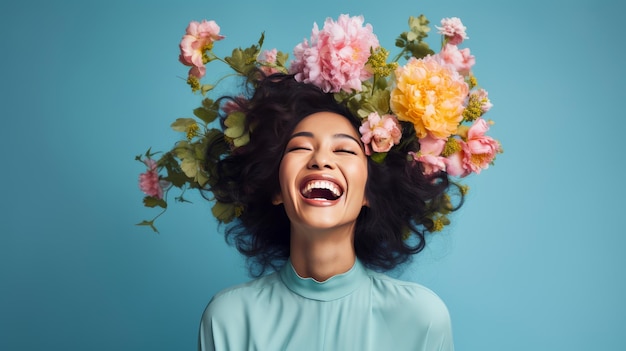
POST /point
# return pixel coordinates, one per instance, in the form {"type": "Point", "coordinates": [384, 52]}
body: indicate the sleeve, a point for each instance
{"type": "Point", "coordinates": [439, 336]}
{"type": "Point", "coordinates": [415, 318]}
{"type": "Point", "coordinates": [206, 340]}
{"type": "Point", "coordinates": [222, 324]}
{"type": "Point", "coordinates": [434, 323]}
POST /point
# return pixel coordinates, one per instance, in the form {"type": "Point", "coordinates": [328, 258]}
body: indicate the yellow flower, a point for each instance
{"type": "Point", "coordinates": [192, 131]}
{"type": "Point", "coordinates": [430, 96]}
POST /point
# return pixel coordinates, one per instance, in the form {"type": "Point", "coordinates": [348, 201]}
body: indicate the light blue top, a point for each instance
{"type": "Point", "coordinates": [357, 310]}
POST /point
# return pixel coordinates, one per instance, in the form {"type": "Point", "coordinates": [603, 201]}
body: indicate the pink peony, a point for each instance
{"type": "Point", "coordinates": [149, 181]}
{"type": "Point", "coordinates": [198, 38]}
{"type": "Point", "coordinates": [380, 133]}
{"type": "Point", "coordinates": [479, 149]}
{"type": "Point", "coordinates": [429, 154]}
{"type": "Point", "coordinates": [461, 60]}
{"type": "Point", "coordinates": [454, 164]}
{"type": "Point", "coordinates": [336, 57]}
{"type": "Point", "coordinates": [476, 153]}
{"type": "Point", "coordinates": [453, 29]}
{"type": "Point", "coordinates": [268, 57]}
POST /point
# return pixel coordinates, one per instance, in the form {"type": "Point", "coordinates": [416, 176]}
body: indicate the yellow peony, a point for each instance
{"type": "Point", "coordinates": [429, 95]}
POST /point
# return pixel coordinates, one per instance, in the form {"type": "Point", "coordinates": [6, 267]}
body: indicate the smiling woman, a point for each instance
{"type": "Point", "coordinates": [326, 174]}
{"type": "Point", "coordinates": [316, 210]}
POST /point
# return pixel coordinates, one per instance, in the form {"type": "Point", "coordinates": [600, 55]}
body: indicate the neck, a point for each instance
{"type": "Point", "coordinates": [322, 254]}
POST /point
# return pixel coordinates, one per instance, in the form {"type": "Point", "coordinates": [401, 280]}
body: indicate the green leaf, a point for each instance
{"type": "Point", "coordinates": [379, 157]}
{"type": "Point", "coordinates": [411, 36]}
{"type": "Point", "coordinates": [205, 115]}
{"type": "Point", "coordinates": [420, 49]}
{"type": "Point", "coordinates": [182, 124]}
{"type": "Point", "coordinates": [236, 128]}
{"type": "Point", "coordinates": [150, 201]}
{"type": "Point", "coordinates": [401, 41]}
{"type": "Point", "coordinates": [419, 28]}
{"type": "Point", "coordinates": [205, 88]}
{"type": "Point", "coordinates": [380, 101]}
{"type": "Point", "coordinates": [149, 224]}
{"type": "Point", "coordinates": [243, 60]}
{"type": "Point", "coordinates": [191, 158]}
{"type": "Point", "coordinates": [261, 40]}
{"type": "Point", "coordinates": [281, 58]}
{"type": "Point", "coordinates": [223, 212]}
{"type": "Point", "coordinates": [174, 174]}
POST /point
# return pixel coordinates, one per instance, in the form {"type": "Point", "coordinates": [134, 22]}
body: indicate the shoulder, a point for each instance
{"type": "Point", "coordinates": [237, 299]}
{"type": "Point", "coordinates": [409, 300]}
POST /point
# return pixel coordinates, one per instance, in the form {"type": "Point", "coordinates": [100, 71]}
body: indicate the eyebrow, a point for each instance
{"type": "Point", "coordinates": [338, 135]}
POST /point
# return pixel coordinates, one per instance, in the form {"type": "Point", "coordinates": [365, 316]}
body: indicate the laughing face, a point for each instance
{"type": "Point", "coordinates": [323, 174]}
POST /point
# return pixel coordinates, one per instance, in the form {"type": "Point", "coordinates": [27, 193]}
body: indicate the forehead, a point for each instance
{"type": "Point", "coordinates": [326, 123]}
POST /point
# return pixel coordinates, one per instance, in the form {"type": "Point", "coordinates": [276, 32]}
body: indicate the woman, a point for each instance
{"type": "Point", "coordinates": [320, 209]}
{"type": "Point", "coordinates": [326, 173]}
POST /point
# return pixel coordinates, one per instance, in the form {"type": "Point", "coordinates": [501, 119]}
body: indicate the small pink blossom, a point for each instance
{"type": "Point", "coordinates": [198, 38]}
{"type": "Point", "coordinates": [380, 133]}
{"type": "Point", "coordinates": [268, 57]}
{"type": "Point", "coordinates": [461, 60]}
{"type": "Point", "coordinates": [429, 154]}
{"type": "Point", "coordinates": [231, 106]}
{"type": "Point", "coordinates": [482, 96]}
{"type": "Point", "coordinates": [335, 59]}
{"type": "Point", "coordinates": [477, 151]}
{"type": "Point", "coordinates": [453, 29]}
{"type": "Point", "coordinates": [149, 181]}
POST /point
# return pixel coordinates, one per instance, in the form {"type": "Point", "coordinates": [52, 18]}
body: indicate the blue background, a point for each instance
{"type": "Point", "coordinates": [533, 261]}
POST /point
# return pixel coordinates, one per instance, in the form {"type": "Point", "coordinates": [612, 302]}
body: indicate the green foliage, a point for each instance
{"type": "Point", "coordinates": [237, 129]}
{"type": "Point", "coordinates": [244, 60]}
{"type": "Point", "coordinates": [182, 124]}
{"type": "Point", "coordinates": [150, 201]}
{"type": "Point", "coordinates": [148, 224]}
{"type": "Point", "coordinates": [208, 112]}
{"type": "Point", "coordinates": [411, 42]}
{"type": "Point", "coordinates": [191, 156]}
{"type": "Point", "coordinates": [225, 213]}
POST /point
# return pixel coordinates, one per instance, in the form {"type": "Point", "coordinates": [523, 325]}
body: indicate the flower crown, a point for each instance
{"type": "Point", "coordinates": [436, 92]}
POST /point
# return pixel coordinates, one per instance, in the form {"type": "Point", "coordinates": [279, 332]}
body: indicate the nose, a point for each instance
{"type": "Point", "coordinates": [321, 160]}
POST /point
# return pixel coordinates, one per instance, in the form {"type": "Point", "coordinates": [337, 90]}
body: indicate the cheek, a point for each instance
{"type": "Point", "coordinates": [286, 176]}
{"type": "Point", "coordinates": [359, 176]}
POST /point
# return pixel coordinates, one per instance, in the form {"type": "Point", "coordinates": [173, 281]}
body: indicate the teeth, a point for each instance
{"type": "Point", "coordinates": [322, 184]}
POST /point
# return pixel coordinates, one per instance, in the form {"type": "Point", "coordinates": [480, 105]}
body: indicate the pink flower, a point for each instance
{"type": "Point", "coordinates": [198, 38]}
{"type": "Point", "coordinates": [479, 149]}
{"type": "Point", "coordinates": [453, 29]}
{"type": "Point", "coordinates": [268, 57]}
{"type": "Point", "coordinates": [149, 181]}
{"type": "Point", "coordinates": [336, 57]}
{"type": "Point", "coordinates": [454, 164]}
{"type": "Point", "coordinates": [477, 152]}
{"type": "Point", "coordinates": [482, 96]}
{"type": "Point", "coordinates": [381, 133]}
{"type": "Point", "coordinates": [231, 106]}
{"type": "Point", "coordinates": [461, 60]}
{"type": "Point", "coordinates": [429, 154]}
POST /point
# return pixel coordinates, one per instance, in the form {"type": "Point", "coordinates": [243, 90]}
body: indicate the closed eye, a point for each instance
{"type": "Point", "coordinates": [346, 151]}
{"type": "Point", "coordinates": [297, 148]}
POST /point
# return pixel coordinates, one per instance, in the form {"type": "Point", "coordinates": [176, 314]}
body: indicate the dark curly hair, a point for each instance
{"type": "Point", "coordinates": [248, 178]}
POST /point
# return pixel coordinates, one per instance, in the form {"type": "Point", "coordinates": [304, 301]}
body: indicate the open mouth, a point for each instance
{"type": "Point", "coordinates": [321, 189]}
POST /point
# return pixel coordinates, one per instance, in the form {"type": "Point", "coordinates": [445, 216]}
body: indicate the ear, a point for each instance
{"type": "Point", "coordinates": [277, 199]}
{"type": "Point", "coordinates": [366, 203]}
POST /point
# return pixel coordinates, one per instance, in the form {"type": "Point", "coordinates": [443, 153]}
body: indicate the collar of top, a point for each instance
{"type": "Point", "coordinates": [332, 288]}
